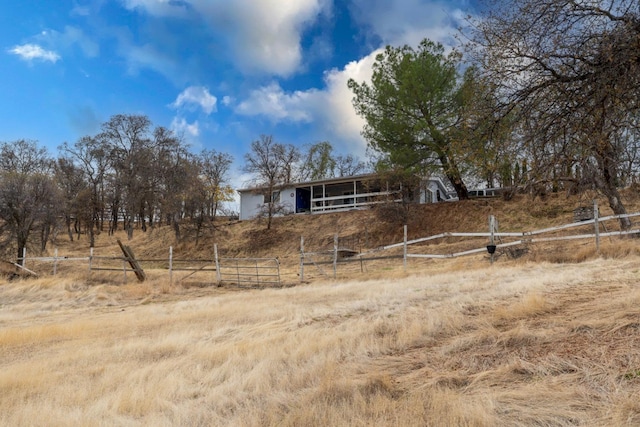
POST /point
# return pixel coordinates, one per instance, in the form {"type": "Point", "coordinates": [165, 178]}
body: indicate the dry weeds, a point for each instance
{"type": "Point", "coordinates": [526, 344]}
{"type": "Point", "coordinates": [539, 340]}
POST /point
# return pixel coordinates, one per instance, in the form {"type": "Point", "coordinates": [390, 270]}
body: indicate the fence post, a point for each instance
{"type": "Point", "coordinates": [492, 229]}
{"type": "Point", "coordinates": [257, 273]}
{"type": "Point", "coordinates": [596, 224]}
{"type": "Point", "coordinates": [335, 256]}
{"type": "Point", "coordinates": [404, 255]}
{"type": "Point", "coordinates": [170, 265]}
{"type": "Point", "coordinates": [215, 256]}
{"type": "Point", "coordinates": [301, 259]}
{"type": "Point", "coordinates": [90, 259]}
{"type": "Point", "coordinates": [55, 261]}
{"type": "Point", "coordinates": [24, 258]}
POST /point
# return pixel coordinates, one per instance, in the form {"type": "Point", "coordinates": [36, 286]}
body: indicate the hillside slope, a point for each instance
{"type": "Point", "coordinates": [366, 230]}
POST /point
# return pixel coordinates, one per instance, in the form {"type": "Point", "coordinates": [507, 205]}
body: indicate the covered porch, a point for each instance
{"type": "Point", "coordinates": [343, 194]}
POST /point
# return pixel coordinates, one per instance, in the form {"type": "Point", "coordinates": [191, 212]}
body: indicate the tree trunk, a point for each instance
{"type": "Point", "coordinates": [22, 244]}
{"type": "Point", "coordinates": [608, 181]}
{"type": "Point", "coordinates": [68, 223]}
{"type": "Point", "coordinates": [92, 236]}
{"type": "Point", "coordinates": [452, 172]}
{"type": "Point", "coordinates": [176, 226]}
{"type": "Point", "coordinates": [130, 227]}
{"type": "Point", "coordinates": [269, 215]}
{"type": "Point", "coordinates": [613, 196]}
{"type": "Point", "coordinates": [45, 231]}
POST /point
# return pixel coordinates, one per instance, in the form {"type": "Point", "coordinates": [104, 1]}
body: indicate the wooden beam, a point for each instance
{"type": "Point", "coordinates": [131, 259]}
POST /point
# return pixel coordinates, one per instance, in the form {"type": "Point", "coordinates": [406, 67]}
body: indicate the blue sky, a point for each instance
{"type": "Point", "coordinates": [218, 72]}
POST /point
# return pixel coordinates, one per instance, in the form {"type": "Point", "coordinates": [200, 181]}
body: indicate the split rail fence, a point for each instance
{"type": "Point", "coordinates": [495, 240]}
{"type": "Point", "coordinates": [267, 271]}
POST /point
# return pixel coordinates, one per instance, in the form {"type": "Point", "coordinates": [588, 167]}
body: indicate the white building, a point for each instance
{"type": "Point", "coordinates": [334, 195]}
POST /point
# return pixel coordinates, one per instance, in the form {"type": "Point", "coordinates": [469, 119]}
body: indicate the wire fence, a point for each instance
{"type": "Point", "coordinates": [240, 271]}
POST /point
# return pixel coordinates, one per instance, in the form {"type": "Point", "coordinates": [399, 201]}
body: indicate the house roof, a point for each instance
{"type": "Point", "coordinates": [323, 181]}
{"type": "Point", "coordinates": [316, 182]}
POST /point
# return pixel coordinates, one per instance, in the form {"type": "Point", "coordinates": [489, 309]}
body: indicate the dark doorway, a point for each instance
{"type": "Point", "coordinates": [303, 200]}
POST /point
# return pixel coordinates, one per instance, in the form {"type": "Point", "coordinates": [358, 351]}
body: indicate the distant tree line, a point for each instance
{"type": "Point", "coordinates": [131, 176]}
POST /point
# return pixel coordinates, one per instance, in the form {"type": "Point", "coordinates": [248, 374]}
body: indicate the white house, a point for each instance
{"type": "Point", "coordinates": [333, 195]}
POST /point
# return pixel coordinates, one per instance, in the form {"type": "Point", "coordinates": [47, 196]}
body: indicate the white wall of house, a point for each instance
{"type": "Point", "coordinates": [288, 200]}
{"type": "Point", "coordinates": [251, 204]}
{"type": "Point", "coordinates": [431, 189]}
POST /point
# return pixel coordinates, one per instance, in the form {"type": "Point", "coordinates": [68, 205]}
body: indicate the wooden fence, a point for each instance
{"type": "Point", "coordinates": [495, 240]}
{"type": "Point", "coordinates": [267, 271]}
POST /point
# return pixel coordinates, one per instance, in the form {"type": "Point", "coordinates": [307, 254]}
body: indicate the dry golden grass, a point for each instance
{"type": "Point", "coordinates": [549, 338]}
{"type": "Point", "coordinates": [520, 344]}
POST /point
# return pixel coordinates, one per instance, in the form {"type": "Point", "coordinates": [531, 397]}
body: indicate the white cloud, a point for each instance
{"type": "Point", "coordinates": [330, 109]}
{"type": "Point", "coordinates": [196, 95]}
{"type": "Point", "coordinates": [30, 52]}
{"type": "Point", "coordinates": [148, 56]}
{"type": "Point", "coordinates": [159, 7]}
{"type": "Point", "coordinates": [338, 112]}
{"type": "Point", "coordinates": [266, 35]}
{"type": "Point", "coordinates": [263, 36]}
{"type": "Point", "coordinates": [409, 21]}
{"type": "Point", "coordinates": [71, 36]}
{"type": "Point", "coordinates": [271, 101]}
{"type": "Point", "coordinates": [180, 126]}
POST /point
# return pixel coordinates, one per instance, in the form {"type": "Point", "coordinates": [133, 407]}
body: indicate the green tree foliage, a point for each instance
{"type": "Point", "coordinates": [319, 161]}
{"type": "Point", "coordinates": [413, 111]}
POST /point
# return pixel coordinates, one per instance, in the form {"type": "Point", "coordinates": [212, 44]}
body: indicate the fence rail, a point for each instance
{"type": "Point", "coordinates": [267, 271]}
{"type": "Point", "coordinates": [249, 271]}
{"type": "Point", "coordinates": [253, 271]}
{"type": "Point", "coordinates": [493, 236]}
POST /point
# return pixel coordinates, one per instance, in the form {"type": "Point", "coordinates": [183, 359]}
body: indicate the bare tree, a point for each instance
{"type": "Point", "coordinates": [317, 162]}
{"type": "Point", "coordinates": [73, 186]}
{"type": "Point", "coordinates": [349, 165]}
{"type": "Point", "coordinates": [91, 158]}
{"type": "Point", "coordinates": [214, 170]}
{"type": "Point", "coordinates": [272, 165]}
{"type": "Point", "coordinates": [24, 157]}
{"type": "Point", "coordinates": [127, 137]}
{"type": "Point", "coordinates": [571, 71]}
{"type": "Point", "coordinates": [28, 194]}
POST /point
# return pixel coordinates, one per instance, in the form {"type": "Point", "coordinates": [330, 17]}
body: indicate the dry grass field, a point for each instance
{"type": "Point", "coordinates": [526, 342]}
